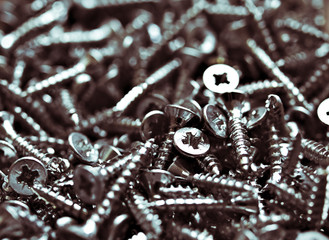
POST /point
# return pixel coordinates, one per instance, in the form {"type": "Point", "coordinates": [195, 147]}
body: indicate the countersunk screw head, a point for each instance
{"type": "Point", "coordinates": [220, 78]}
{"type": "Point", "coordinates": [83, 148]}
{"type": "Point", "coordinates": [215, 121]}
{"type": "Point", "coordinates": [235, 102]}
{"type": "Point", "coordinates": [154, 124]}
{"type": "Point", "coordinates": [88, 184]}
{"type": "Point", "coordinates": [179, 115]}
{"type": "Point", "coordinates": [323, 111]}
{"type": "Point", "coordinates": [256, 117]}
{"type": "Point", "coordinates": [24, 173]}
{"type": "Point", "coordinates": [191, 142]}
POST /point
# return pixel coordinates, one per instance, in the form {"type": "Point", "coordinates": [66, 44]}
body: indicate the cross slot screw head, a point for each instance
{"type": "Point", "coordinates": [24, 173]}
{"type": "Point", "coordinates": [191, 142]}
{"type": "Point", "coordinates": [220, 78]}
{"type": "Point", "coordinates": [323, 111]}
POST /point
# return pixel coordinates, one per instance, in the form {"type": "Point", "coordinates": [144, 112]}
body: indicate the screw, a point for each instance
{"type": "Point", "coordinates": [20, 222]}
{"type": "Point", "coordinates": [82, 148]}
{"type": "Point", "coordinates": [274, 106]}
{"type": "Point", "coordinates": [146, 218]}
{"type": "Point", "coordinates": [315, 151]}
{"type": "Point", "coordinates": [234, 104]}
{"type": "Point", "coordinates": [108, 205]}
{"type": "Point", "coordinates": [178, 117]}
{"type": "Point", "coordinates": [154, 124]}
{"type": "Point", "coordinates": [153, 179]}
{"type": "Point", "coordinates": [60, 201]}
{"type": "Point", "coordinates": [186, 232]}
{"type": "Point", "coordinates": [132, 95]}
{"type": "Point", "coordinates": [215, 121]}
{"type": "Point", "coordinates": [7, 153]}
{"type": "Point", "coordinates": [199, 204]}
{"type": "Point", "coordinates": [57, 12]}
{"type": "Point", "coordinates": [261, 88]}
{"type": "Point", "coordinates": [210, 164]}
{"type": "Point", "coordinates": [27, 121]}
{"type": "Point", "coordinates": [323, 111]}
{"type": "Point", "coordinates": [302, 29]}
{"type": "Point", "coordinates": [24, 173]}
{"type": "Point", "coordinates": [191, 142]}
{"type": "Point", "coordinates": [90, 182]}
{"type": "Point", "coordinates": [18, 72]}
{"type": "Point", "coordinates": [273, 70]}
{"type": "Point", "coordinates": [111, 3]}
{"type": "Point", "coordinates": [53, 164]}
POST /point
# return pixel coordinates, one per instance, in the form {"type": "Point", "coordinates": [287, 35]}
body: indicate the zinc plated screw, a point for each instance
{"type": "Point", "coordinates": [146, 218]}
{"type": "Point", "coordinates": [274, 154]}
{"type": "Point", "coordinates": [60, 77]}
{"type": "Point", "coordinates": [302, 28]}
{"type": "Point", "coordinates": [178, 117]}
{"type": "Point", "coordinates": [57, 36]}
{"type": "Point", "coordinates": [234, 102]}
{"type": "Point", "coordinates": [275, 109]}
{"type": "Point", "coordinates": [55, 165]}
{"type": "Point", "coordinates": [18, 72]}
{"type": "Point", "coordinates": [131, 96]}
{"type": "Point", "coordinates": [272, 69]}
{"type": "Point", "coordinates": [60, 201]}
{"type": "Point", "coordinates": [288, 195]}
{"type": "Point", "coordinates": [261, 88]}
{"type": "Point", "coordinates": [82, 148]}
{"type": "Point", "coordinates": [197, 204]}
{"type": "Point", "coordinates": [20, 222]}
{"type": "Point", "coordinates": [57, 12]}
{"type": "Point", "coordinates": [27, 121]}
{"type": "Point", "coordinates": [187, 232]}
{"type": "Point", "coordinates": [315, 152]}
{"type": "Point", "coordinates": [261, 25]}
{"type": "Point", "coordinates": [108, 205]}
{"type": "Point", "coordinates": [94, 4]}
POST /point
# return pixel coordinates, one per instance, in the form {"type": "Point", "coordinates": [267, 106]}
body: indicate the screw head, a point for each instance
{"type": "Point", "coordinates": [26, 172]}
{"type": "Point", "coordinates": [323, 111]}
{"type": "Point", "coordinates": [152, 102]}
{"type": "Point", "coordinates": [88, 184]}
{"type": "Point", "coordinates": [215, 120]}
{"type": "Point", "coordinates": [191, 142]}
{"type": "Point", "coordinates": [155, 178]}
{"type": "Point", "coordinates": [154, 124]}
{"type": "Point", "coordinates": [256, 117]}
{"type": "Point", "coordinates": [220, 78]}
{"type": "Point", "coordinates": [83, 148]}
{"type": "Point", "coordinates": [179, 115]}
{"type": "Point", "coordinates": [234, 102]}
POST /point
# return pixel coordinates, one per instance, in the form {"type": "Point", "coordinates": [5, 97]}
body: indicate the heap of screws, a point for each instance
{"type": "Point", "coordinates": [150, 119]}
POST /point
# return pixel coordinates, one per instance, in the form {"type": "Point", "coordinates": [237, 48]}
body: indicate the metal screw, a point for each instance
{"type": "Point", "coordinates": [178, 117]}
{"type": "Point", "coordinates": [234, 104]}
{"type": "Point", "coordinates": [191, 142]}
{"type": "Point", "coordinates": [55, 165]}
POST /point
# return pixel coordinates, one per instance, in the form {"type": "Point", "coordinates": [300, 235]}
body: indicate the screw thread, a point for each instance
{"type": "Point", "coordinates": [275, 109]}
{"type": "Point", "coordinates": [220, 183]}
{"type": "Point", "coordinates": [261, 88]}
{"type": "Point", "coordinates": [274, 154]}
{"type": "Point", "coordinates": [182, 232]}
{"type": "Point", "coordinates": [241, 142]}
{"type": "Point", "coordinates": [315, 152]}
{"type": "Point", "coordinates": [287, 194]}
{"type": "Point", "coordinates": [211, 164]}
{"type": "Point", "coordinates": [124, 124]}
{"type": "Point", "coordinates": [149, 221]}
{"type": "Point", "coordinates": [61, 202]}
{"type": "Point", "coordinates": [70, 110]}
{"type": "Point", "coordinates": [55, 165]}
{"type": "Point", "coordinates": [164, 151]}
